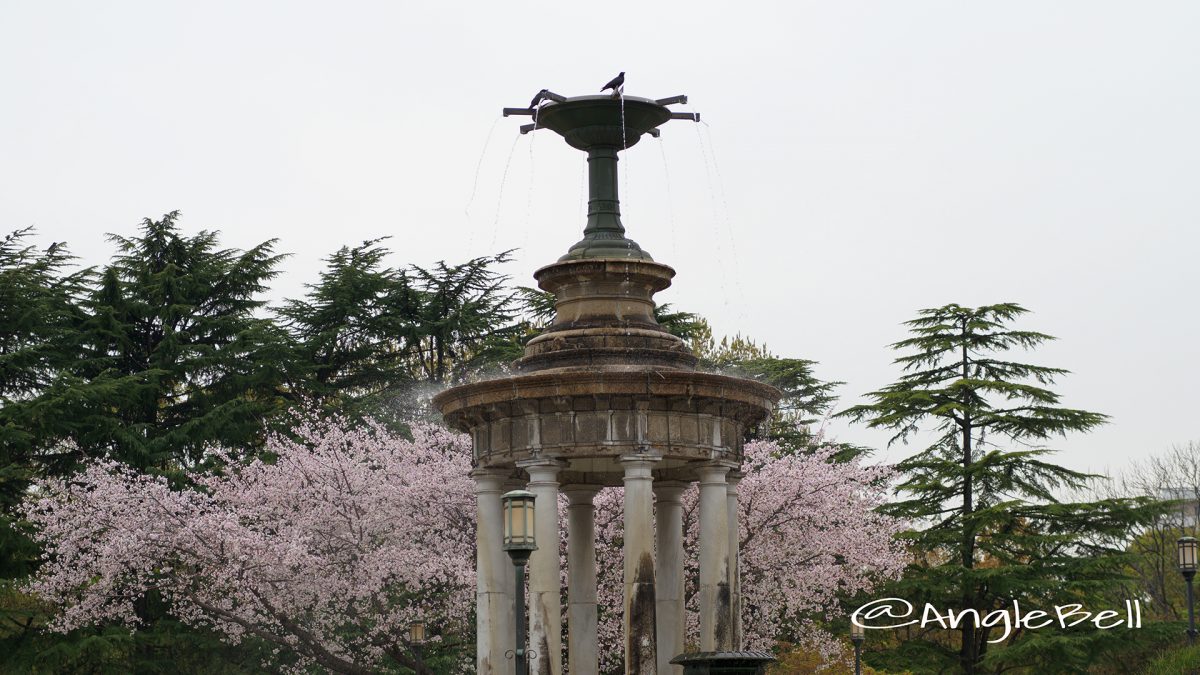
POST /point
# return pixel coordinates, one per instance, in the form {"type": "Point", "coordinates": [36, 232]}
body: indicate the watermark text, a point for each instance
{"type": "Point", "coordinates": [898, 613]}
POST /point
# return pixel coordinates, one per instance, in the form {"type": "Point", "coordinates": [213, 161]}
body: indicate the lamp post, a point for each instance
{"type": "Point", "coordinates": [416, 632]}
{"type": "Point", "coordinates": [1188, 548]}
{"type": "Point", "coordinates": [416, 638]}
{"type": "Point", "coordinates": [519, 543]}
{"type": "Point", "coordinates": [857, 635]}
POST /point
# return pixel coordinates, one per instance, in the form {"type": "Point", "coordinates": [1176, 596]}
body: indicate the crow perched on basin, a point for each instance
{"type": "Point", "coordinates": [538, 98]}
{"type": "Point", "coordinates": [615, 83]}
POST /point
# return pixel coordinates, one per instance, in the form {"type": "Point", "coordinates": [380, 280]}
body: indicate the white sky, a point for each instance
{"type": "Point", "coordinates": [861, 160]}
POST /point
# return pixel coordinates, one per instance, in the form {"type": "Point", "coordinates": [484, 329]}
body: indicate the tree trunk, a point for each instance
{"type": "Point", "coordinates": [968, 652]}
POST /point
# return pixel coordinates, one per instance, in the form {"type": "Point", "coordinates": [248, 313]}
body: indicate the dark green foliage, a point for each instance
{"type": "Point", "coordinates": [151, 360]}
{"type": "Point", "coordinates": [351, 333]}
{"type": "Point", "coordinates": [36, 314]}
{"type": "Point", "coordinates": [1046, 651]}
{"type": "Point", "coordinates": [537, 306]}
{"type": "Point", "coordinates": [167, 358]}
{"type": "Point", "coordinates": [683, 325]}
{"type": "Point", "coordinates": [1116, 651]}
{"type": "Point", "coordinates": [37, 320]}
{"type": "Point", "coordinates": [466, 321]}
{"type": "Point", "coordinates": [368, 339]}
{"type": "Point", "coordinates": [984, 493]}
{"type": "Point", "coordinates": [164, 647]}
{"type": "Point", "coordinates": [806, 399]}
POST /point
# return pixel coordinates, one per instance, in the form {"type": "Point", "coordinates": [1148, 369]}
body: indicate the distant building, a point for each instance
{"type": "Point", "coordinates": [1188, 507]}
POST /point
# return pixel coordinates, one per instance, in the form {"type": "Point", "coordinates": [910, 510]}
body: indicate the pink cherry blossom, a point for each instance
{"type": "Point", "coordinates": [332, 549]}
{"type": "Point", "coordinates": [329, 552]}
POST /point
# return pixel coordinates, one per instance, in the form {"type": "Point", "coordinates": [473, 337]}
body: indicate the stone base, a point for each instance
{"type": "Point", "coordinates": [724, 663]}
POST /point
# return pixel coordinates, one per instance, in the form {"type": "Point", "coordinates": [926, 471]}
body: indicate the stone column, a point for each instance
{"type": "Point", "coordinates": [545, 600]}
{"type": "Point", "coordinates": [735, 560]}
{"type": "Point", "coordinates": [669, 574]}
{"type": "Point", "coordinates": [583, 655]}
{"type": "Point", "coordinates": [493, 577]}
{"type": "Point", "coordinates": [715, 631]}
{"type": "Point", "coordinates": [640, 629]}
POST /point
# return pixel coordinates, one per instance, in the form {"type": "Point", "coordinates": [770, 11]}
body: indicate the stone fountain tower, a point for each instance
{"type": "Point", "coordinates": [607, 397]}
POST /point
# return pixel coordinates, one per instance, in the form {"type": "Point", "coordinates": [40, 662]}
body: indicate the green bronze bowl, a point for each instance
{"type": "Point", "coordinates": [590, 121]}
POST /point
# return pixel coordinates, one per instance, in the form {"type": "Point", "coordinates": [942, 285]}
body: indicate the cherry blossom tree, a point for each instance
{"type": "Point", "coordinates": [329, 552]}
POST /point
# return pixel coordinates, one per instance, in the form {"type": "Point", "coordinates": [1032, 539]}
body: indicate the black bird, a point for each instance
{"type": "Point", "coordinates": [538, 98]}
{"type": "Point", "coordinates": [615, 83]}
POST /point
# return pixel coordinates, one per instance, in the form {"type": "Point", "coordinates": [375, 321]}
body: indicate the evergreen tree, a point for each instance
{"type": "Point", "coordinates": [151, 360]}
{"type": "Point", "coordinates": [353, 333]}
{"type": "Point", "coordinates": [368, 338]}
{"type": "Point", "coordinates": [172, 358]}
{"type": "Point", "coordinates": [466, 319]}
{"type": "Point", "coordinates": [37, 313]}
{"type": "Point", "coordinates": [985, 493]}
{"type": "Point", "coordinates": [806, 398]}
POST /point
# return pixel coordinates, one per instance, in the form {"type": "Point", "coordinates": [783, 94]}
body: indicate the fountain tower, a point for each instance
{"type": "Point", "coordinates": [606, 397]}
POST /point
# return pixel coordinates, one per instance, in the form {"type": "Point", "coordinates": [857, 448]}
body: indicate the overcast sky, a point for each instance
{"type": "Point", "coordinates": [858, 161]}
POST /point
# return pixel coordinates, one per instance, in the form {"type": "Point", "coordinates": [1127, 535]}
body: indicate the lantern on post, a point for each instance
{"type": "Point", "coordinates": [518, 522]}
{"type": "Point", "coordinates": [416, 632]}
{"type": "Point", "coordinates": [416, 638]}
{"type": "Point", "coordinates": [519, 542]}
{"type": "Point", "coordinates": [857, 635]}
{"type": "Point", "coordinates": [1188, 548]}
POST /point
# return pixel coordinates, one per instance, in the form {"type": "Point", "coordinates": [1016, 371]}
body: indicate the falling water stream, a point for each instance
{"type": "Point", "coordinates": [712, 150]}
{"type": "Point", "coordinates": [475, 185]}
{"type": "Point", "coordinates": [721, 213]}
{"type": "Point", "coordinates": [708, 174]}
{"type": "Point", "coordinates": [500, 196]}
{"type": "Point", "coordinates": [725, 219]}
{"type": "Point", "coordinates": [529, 191]}
{"type": "Point", "coordinates": [670, 202]}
